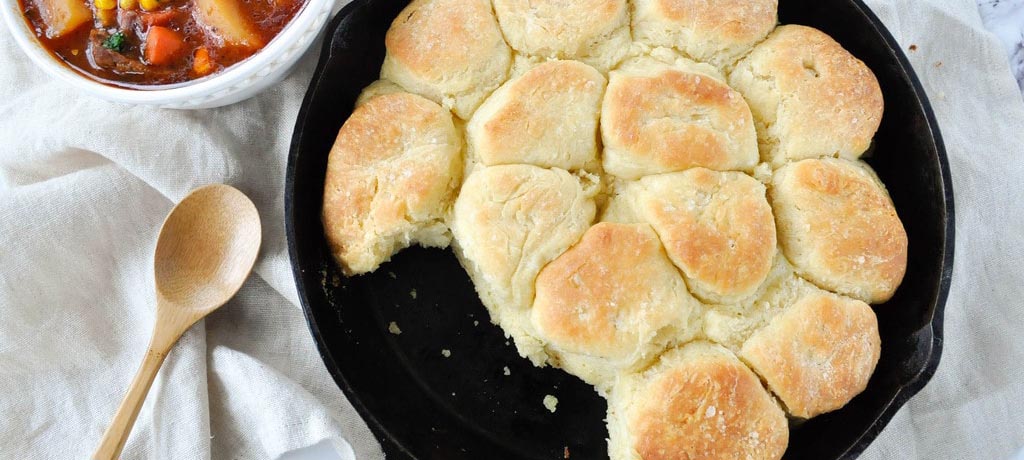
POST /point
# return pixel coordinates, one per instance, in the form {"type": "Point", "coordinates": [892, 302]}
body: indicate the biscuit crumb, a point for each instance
{"type": "Point", "coordinates": [412, 294]}
{"type": "Point", "coordinates": [392, 275]}
{"type": "Point", "coordinates": [393, 328]}
{"type": "Point", "coordinates": [565, 453]}
{"type": "Point", "coordinates": [446, 353]}
{"type": "Point", "coordinates": [913, 47]}
{"type": "Point", "coordinates": [938, 64]}
{"type": "Point", "coordinates": [551, 403]}
{"type": "Point", "coordinates": [506, 371]}
{"type": "Point", "coordinates": [476, 323]}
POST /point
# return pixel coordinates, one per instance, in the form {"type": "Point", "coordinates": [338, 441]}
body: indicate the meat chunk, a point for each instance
{"type": "Point", "coordinates": [109, 59]}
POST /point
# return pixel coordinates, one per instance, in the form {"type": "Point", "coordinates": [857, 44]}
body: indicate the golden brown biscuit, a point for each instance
{"type": "Point", "coordinates": [391, 176]}
{"type": "Point", "coordinates": [818, 354]}
{"type": "Point", "coordinates": [611, 302]}
{"type": "Point", "coordinates": [698, 401]}
{"type": "Point", "coordinates": [659, 118]}
{"type": "Point", "coordinates": [839, 228]}
{"type": "Point", "coordinates": [547, 117]}
{"type": "Point", "coordinates": [449, 51]}
{"type": "Point", "coordinates": [510, 221]}
{"type": "Point", "coordinates": [809, 96]}
{"type": "Point", "coordinates": [377, 88]}
{"type": "Point", "coordinates": [593, 31]}
{"type": "Point", "coordinates": [716, 226]}
{"type": "Point", "coordinates": [714, 31]}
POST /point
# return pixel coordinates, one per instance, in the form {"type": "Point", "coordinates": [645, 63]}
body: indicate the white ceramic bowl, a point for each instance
{"type": "Point", "coordinates": [238, 82]}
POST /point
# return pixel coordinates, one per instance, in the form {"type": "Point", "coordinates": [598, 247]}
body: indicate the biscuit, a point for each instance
{"type": "Point", "coordinates": [839, 228]}
{"type": "Point", "coordinates": [698, 401]}
{"type": "Point", "coordinates": [449, 51]}
{"type": "Point", "coordinates": [658, 118]}
{"type": "Point", "coordinates": [391, 176]}
{"type": "Point", "coordinates": [593, 31]}
{"type": "Point", "coordinates": [510, 221]}
{"type": "Point", "coordinates": [810, 97]}
{"type": "Point", "coordinates": [818, 354]}
{"type": "Point", "coordinates": [547, 117]}
{"type": "Point", "coordinates": [377, 88]}
{"type": "Point", "coordinates": [611, 302]}
{"type": "Point", "coordinates": [717, 32]}
{"type": "Point", "coordinates": [717, 227]}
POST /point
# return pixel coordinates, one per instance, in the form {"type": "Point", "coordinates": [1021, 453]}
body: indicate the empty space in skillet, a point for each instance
{"type": "Point", "coordinates": [423, 404]}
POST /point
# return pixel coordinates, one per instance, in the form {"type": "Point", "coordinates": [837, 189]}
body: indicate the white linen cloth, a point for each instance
{"type": "Point", "coordinates": [85, 184]}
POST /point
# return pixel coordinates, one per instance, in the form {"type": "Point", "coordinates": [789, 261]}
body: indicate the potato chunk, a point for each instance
{"type": "Point", "coordinates": [225, 19]}
{"type": "Point", "coordinates": [63, 16]}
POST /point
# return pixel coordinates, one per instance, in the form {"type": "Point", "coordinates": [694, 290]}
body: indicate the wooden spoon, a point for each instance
{"type": "Point", "coordinates": [206, 249]}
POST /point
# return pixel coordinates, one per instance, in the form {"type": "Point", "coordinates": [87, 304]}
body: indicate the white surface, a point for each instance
{"type": "Point", "coordinates": [1005, 19]}
{"type": "Point", "coordinates": [320, 451]}
{"type": "Point", "coordinates": [84, 185]}
{"type": "Point", "coordinates": [237, 83]}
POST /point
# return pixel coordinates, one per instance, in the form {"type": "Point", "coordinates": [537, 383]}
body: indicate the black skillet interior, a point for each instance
{"type": "Point", "coordinates": [484, 401]}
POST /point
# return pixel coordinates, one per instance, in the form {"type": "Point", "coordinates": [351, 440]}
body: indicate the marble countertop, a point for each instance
{"type": "Point", "coordinates": [1005, 18]}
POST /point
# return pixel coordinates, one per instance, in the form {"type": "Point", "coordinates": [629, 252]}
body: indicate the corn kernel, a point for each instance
{"type": "Point", "coordinates": [128, 4]}
{"type": "Point", "coordinates": [105, 4]}
{"type": "Point", "coordinates": [149, 5]}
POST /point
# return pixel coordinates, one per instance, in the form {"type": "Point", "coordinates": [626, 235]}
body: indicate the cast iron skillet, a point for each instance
{"type": "Point", "coordinates": [422, 405]}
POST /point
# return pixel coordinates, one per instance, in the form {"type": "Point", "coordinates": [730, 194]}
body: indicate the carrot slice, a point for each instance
{"type": "Point", "coordinates": [159, 18]}
{"type": "Point", "coordinates": [163, 45]}
{"type": "Point", "coordinates": [201, 62]}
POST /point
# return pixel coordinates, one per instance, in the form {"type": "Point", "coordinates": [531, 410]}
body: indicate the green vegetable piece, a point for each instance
{"type": "Point", "coordinates": [115, 42]}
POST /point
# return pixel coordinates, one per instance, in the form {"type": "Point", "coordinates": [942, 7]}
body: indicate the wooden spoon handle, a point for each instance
{"type": "Point", "coordinates": [121, 426]}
